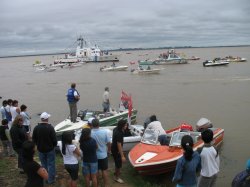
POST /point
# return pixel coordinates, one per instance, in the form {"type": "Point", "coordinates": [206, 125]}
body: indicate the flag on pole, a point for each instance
{"type": "Point", "coordinates": [127, 103]}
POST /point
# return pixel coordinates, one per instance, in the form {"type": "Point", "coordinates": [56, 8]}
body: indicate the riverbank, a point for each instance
{"type": "Point", "coordinates": [10, 177]}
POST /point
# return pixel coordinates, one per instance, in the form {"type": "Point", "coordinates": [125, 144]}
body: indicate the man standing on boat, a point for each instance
{"type": "Point", "coordinates": [106, 102]}
{"type": "Point", "coordinates": [73, 97]}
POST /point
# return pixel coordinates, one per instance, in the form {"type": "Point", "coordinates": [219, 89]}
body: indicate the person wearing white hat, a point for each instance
{"type": "Point", "coordinates": [44, 137]}
{"type": "Point", "coordinates": [89, 124]}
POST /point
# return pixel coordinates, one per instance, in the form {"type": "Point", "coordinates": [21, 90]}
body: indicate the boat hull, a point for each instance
{"type": "Point", "coordinates": [116, 68]}
{"type": "Point", "coordinates": [166, 157]}
{"type": "Point", "coordinates": [210, 63]}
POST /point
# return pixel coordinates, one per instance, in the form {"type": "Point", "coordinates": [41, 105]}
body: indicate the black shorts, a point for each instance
{"type": "Point", "coordinates": [72, 169]}
{"type": "Point", "coordinates": [103, 164]}
{"type": "Point", "coordinates": [117, 159]}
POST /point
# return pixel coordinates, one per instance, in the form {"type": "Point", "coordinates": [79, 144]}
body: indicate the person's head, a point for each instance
{"type": "Point", "coordinates": [28, 150]}
{"type": "Point", "coordinates": [153, 118]}
{"type": "Point", "coordinates": [90, 121]}
{"type": "Point", "coordinates": [86, 132]}
{"type": "Point", "coordinates": [73, 85]}
{"type": "Point", "coordinates": [95, 123]}
{"type": "Point", "coordinates": [106, 89]}
{"type": "Point", "coordinates": [23, 108]}
{"type": "Point", "coordinates": [18, 120]}
{"type": "Point", "coordinates": [121, 124]}
{"type": "Point", "coordinates": [4, 103]}
{"type": "Point", "coordinates": [187, 145]}
{"type": "Point", "coordinates": [5, 122]}
{"type": "Point", "coordinates": [15, 103]}
{"type": "Point", "coordinates": [10, 101]}
{"type": "Point", "coordinates": [248, 165]}
{"type": "Point", "coordinates": [207, 135]}
{"type": "Point", "coordinates": [45, 117]}
{"type": "Point", "coordinates": [67, 138]}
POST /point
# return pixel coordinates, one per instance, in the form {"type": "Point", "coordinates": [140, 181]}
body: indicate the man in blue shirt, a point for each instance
{"type": "Point", "coordinates": [104, 146]}
{"type": "Point", "coordinates": [73, 97]}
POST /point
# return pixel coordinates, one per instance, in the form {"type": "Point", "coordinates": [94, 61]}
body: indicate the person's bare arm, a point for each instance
{"type": "Point", "coordinates": [43, 173]}
{"type": "Point", "coordinates": [119, 145]}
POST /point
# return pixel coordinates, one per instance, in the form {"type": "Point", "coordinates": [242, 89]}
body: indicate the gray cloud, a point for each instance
{"type": "Point", "coordinates": [47, 26]}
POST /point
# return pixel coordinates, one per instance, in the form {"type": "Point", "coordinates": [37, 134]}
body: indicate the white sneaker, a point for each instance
{"type": "Point", "coordinates": [119, 180]}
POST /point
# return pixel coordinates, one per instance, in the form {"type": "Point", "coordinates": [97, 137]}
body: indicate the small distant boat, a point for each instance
{"type": "Point", "coordinates": [45, 69]}
{"type": "Point", "coordinates": [114, 68]}
{"type": "Point", "coordinates": [38, 64]}
{"type": "Point", "coordinates": [235, 59]}
{"type": "Point", "coordinates": [73, 65]}
{"type": "Point", "coordinates": [132, 62]}
{"type": "Point", "coordinates": [57, 65]}
{"type": "Point", "coordinates": [150, 158]}
{"type": "Point", "coordinates": [146, 62]}
{"type": "Point", "coordinates": [142, 71]}
{"type": "Point", "coordinates": [215, 62]}
{"type": "Point", "coordinates": [194, 58]}
{"type": "Point", "coordinates": [170, 58]}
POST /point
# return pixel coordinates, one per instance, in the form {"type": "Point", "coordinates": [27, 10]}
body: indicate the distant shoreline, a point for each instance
{"type": "Point", "coordinates": [127, 49]}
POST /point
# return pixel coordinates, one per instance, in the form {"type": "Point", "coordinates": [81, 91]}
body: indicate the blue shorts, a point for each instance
{"type": "Point", "coordinates": [89, 168]}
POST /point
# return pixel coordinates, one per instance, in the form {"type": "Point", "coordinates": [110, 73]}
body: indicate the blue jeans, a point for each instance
{"type": "Point", "coordinates": [48, 162]}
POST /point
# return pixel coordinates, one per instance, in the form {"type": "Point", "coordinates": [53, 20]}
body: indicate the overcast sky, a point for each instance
{"type": "Point", "coordinates": [47, 26]}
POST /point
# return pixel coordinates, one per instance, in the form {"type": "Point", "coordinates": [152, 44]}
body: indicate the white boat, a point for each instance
{"type": "Point", "coordinates": [105, 119]}
{"type": "Point", "coordinates": [73, 65]}
{"type": "Point", "coordinates": [38, 64]}
{"type": "Point", "coordinates": [57, 65]}
{"type": "Point", "coordinates": [170, 58]}
{"type": "Point", "coordinates": [86, 53]}
{"type": "Point", "coordinates": [129, 141]}
{"type": "Point", "coordinates": [114, 68]}
{"type": "Point", "coordinates": [215, 62]}
{"type": "Point", "coordinates": [142, 71]}
{"type": "Point", "coordinates": [235, 59]}
{"type": "Point", "coordinates": [45, 69]}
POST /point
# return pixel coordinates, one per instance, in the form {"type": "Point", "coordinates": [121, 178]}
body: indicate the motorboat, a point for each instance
{"type": "Point", "coordinates": [73, 65]}
{"type": "Point", "coordinates": [88, 53]}
{"type": "Point", "coordinates": [146, 62]}
{"type": "Point", "coordinates": [105, 119]}
{"type": "Point", "coordinates": [215, 62]}
{"type": "Point", "coordinates": [170, 57]}
{"type": "Point", "coordinates": [129, 141]}
{"type": "Point", "coordinates": [38, 64]}
{"type": "Point", "coordinates": [150, 158]}
{"type": "Point", "coordinates": [194, 58]}
{"type": "Point", "coordinates": [45, 69]}
{"type": "Point", "coordinates": [114, 68]}
{"type": "Point", "coordinates": [142, 71]}
{"type": "Point", "coordinates": [235, 59]}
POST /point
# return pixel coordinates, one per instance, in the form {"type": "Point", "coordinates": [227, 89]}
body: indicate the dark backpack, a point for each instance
{"type": "Point", "coordinates": [242, 179]}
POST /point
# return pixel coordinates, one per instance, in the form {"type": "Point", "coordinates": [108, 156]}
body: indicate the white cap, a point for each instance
{"type": "Point", "coordinates": [90, 120]}
{"type": "Point", "coordinates": [45, 115]}
{"type": "Point", "coordinates": [203, 121]}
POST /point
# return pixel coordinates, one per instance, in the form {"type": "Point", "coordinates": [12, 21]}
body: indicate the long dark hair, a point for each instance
{"type": "Point", "coordinates": [121, 123]}
{"type": "Point", "coordinates": [28, 150]}
{"type": "Point", "coordinates": [66, 140]}
{"type": "Point", "coordinates": [85, 135]}
{"type": "Point", "coordinates": [187, 145]}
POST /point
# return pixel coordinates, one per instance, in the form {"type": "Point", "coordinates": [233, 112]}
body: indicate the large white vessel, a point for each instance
{"type": "Point", "coordinates": [85, 53]}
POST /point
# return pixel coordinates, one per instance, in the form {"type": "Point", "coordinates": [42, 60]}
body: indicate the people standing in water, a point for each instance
{"type": "Point", "coordinates": [44, 136]}
{"type": "Point", "coordinates": [88, 146]}
{"type": "Point", "coordinates": [73, 97]}
{"type": "Point", "coordinates": [188, 165]}
{"type": "Point", "coordinates": [104, 147]}
{"type": "Point", "coordinates": [210, 161]}
{"type": "Point", "coordinates": [18, 136]}
{"type": "Point", "coordinates": [106, 101]}
{"type": "Point", "coordinates": [70, 155]}
{"type": "Point", "coordinates": [116, 149]}
{"type": "Point", "coordinates": [35, 173]}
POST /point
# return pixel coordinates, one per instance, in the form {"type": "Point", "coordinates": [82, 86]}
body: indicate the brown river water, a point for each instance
{"type": "Point", "coordinates": [180, 93]}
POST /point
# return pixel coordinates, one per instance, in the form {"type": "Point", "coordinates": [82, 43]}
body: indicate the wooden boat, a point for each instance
{"type": "Point", "coordinates": [105, 119]}
{"type": "Point", "coordinates": [136, 132]}
{"type": "Point", "coordinates": [150, 158]}
{"type": "Point", "coordinates": [215, 62]}
{"type": "Point", "coordinates": [114, 68]}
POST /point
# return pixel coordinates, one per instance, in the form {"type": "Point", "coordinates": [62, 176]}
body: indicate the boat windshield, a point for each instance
{"type": "Point", "coordinates": [177, 136]}
{"type": "Point", "coordinates": [150, 137]}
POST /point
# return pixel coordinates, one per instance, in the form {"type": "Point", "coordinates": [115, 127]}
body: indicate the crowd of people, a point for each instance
{"type": "Point", "coordinates": [94, 147]}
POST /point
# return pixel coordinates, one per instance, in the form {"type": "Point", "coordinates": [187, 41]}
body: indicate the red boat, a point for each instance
{"type": "Point", "coordinates": [150, 158]}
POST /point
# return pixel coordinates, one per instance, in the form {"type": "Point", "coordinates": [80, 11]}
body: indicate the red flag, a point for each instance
{"type": "Point", "coordinates": [129, 105]}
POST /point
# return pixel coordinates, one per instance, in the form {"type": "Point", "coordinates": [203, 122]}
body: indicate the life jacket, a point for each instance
{"type": "Point", "coordinates": [186, 127]}
{"type": "Point", "coordinates": [70, 96]}
{"type": "Point", "coordinates": [241, 179]}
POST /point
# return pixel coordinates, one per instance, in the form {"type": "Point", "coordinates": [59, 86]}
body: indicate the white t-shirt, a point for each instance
{"type": "Point", "coordinates": [26, 118]}
{"type": "Point", "coordinates": [210, 163]}
{"type": "Point", "coordinates": [157, 127]}
{"type": "Point", "coordinates": [106, 97]}
{"type": "Point", "coordinates": [13, 112]}
{"type": "Point", "coordinates": [69, 157]}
